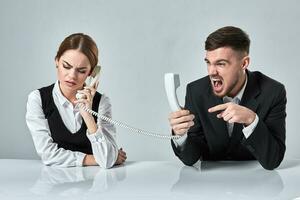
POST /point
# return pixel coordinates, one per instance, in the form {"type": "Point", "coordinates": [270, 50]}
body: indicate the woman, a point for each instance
{"type": "Point", "coordinates": [62, 132]}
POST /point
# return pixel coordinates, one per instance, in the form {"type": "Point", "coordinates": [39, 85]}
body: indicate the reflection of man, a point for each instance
{"type": "Point", "coordinates": [246, 181]}
{"type": "Point", "coordinates": [231, 114]}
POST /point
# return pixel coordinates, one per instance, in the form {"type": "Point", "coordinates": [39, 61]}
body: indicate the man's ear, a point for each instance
{"type": "Point", "coordinates": [245, 62]}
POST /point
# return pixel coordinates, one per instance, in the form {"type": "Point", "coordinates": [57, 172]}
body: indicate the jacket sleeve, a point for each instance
{"type": "Point", "coordinates": [195, 145]}
{"type": "Point", "coordinates": [267, 141]}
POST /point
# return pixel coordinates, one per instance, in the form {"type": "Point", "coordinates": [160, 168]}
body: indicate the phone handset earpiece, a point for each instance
{"type": "Point", "coordinates": [91, 80]}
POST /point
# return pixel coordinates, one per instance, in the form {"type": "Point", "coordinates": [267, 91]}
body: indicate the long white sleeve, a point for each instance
{"type": "Point", "coordinates": [40, 132]}
{"type": "Point", "coordinates": [105, 149]}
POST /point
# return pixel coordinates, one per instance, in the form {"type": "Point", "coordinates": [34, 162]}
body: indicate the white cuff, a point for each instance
{"type": "Point", "coordinates": [180, 142]}
{"type": "Point", "coordinates": [95, 137]}
{"type": "Point", "coordinates": [250, 128]}
{"type": "Point", "coordinates": [79, 161]}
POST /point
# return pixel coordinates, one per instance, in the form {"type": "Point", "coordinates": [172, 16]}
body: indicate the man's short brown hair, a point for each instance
{"type": "Point", "coordinates": [228, 36]}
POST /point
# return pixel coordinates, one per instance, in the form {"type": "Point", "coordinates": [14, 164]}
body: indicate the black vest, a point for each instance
{"type": "Point", "coordinates": [59, 132]}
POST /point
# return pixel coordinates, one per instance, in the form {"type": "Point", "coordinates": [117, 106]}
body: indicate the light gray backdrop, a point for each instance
{"type": "Point", "coordinates": [139, 41]}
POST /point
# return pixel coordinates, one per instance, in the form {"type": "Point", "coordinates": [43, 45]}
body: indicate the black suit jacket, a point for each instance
{"type": "Point", "coordinates": [208, 139]}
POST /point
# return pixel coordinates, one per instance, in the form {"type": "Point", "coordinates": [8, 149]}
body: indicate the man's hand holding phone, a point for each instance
{"type": "Point", "coordinates": [181, 121]}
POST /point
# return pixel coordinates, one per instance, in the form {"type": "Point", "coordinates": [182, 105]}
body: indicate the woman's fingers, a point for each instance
{"type": "Point", "coordinates": [83, 101]}
{"type": "Point", "coordinates": [121, 156]}
{"type": "Point", "coordinates": [92, 89]}
{"type": "Point", "coordinates": [87, 94]}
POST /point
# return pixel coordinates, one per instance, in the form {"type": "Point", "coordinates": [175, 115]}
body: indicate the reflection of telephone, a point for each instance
{"type": "Point", "coordinates": [172, 82]}
{"type": "Point", "coordinates": [92, 79]}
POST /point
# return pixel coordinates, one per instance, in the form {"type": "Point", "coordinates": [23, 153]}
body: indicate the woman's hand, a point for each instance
{"type": "Point", "coordinates": [121, 157]}
{"type": "Point", "coordinates": [89, 93]}
{"type": "Point", "coordinates": [89, 160]}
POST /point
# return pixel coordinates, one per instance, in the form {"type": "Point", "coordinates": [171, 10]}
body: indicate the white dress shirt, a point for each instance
{"type": "Point", "coordinates": [246, 130]}
{"type": "Point", "coordinates": [103, 142]}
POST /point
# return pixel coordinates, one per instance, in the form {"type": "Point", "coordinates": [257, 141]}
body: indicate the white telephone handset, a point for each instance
{"type": "Point", "coordinates": [172, 82]}
{"type": "Point", "coordinates": [91, 80]}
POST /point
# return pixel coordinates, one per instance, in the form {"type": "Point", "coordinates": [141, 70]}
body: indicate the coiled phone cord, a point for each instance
{"type": "Point", "coordinates": [132, 129]}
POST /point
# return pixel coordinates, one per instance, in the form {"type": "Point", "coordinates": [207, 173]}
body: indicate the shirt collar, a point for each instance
{"type": "Point", "coordinates": [239, 95]}
{"type": "Point", "coordinates": [61, 98]}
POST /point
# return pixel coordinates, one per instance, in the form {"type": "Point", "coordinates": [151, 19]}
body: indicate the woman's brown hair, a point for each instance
{"type": "Point", "coordinates": [84, 43]}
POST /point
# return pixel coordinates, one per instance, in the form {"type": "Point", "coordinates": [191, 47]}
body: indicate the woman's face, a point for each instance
{"type": "Point", "coordinates": [73, 67]}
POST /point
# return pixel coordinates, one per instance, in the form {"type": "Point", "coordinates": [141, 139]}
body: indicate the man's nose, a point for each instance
{"type": "Point", "coordinates": [212, 70]}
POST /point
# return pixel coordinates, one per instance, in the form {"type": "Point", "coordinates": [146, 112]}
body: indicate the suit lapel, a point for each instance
{"type": "Point", "coordinates": [252, 90]}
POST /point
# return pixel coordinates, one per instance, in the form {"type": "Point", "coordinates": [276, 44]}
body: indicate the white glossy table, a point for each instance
{"type": "Point", "coordinates": [29, 179]}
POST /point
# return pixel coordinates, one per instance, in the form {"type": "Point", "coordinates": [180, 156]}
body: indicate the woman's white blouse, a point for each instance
{"type": "Point", "coordinates": [104, 146]}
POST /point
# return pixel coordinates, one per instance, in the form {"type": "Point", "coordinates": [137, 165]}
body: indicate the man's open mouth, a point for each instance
{"type": "Point", "coordinates": [217, 84]}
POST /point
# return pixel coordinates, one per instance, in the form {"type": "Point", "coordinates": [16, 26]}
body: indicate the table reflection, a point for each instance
{"type": "Point", "coordinates": [241, 180]}
{"type": "Point", "coordinates": [77, 180]}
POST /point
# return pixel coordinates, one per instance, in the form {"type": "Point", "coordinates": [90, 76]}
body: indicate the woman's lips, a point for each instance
{"type": "Point", "coordinates": [70, 83]}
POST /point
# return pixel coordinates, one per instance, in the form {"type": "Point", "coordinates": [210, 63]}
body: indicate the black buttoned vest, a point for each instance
{"type": "Point", "coordinates": [59, 132]}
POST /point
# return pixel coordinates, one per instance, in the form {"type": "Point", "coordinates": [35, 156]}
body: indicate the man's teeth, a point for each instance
{"type": "Point", "coordinates": [216, 81]}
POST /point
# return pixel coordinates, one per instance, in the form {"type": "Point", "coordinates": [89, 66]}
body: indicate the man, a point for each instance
{"type": "Point", "coordinates": [231, 114]}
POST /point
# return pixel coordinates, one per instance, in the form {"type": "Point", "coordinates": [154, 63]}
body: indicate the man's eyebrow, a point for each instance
{"type": "Point", "coordinates": [217, 61]}
{"type": "Point", "coordinates": [222, 60]}
{"type": "Point", "coordinates": [72, 66]}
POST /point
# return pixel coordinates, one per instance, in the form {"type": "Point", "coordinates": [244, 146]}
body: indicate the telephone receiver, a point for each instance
{"type": "Point", "coordinates": [172, 82]}
{"type": "Point", "coordinates": [91, 80]}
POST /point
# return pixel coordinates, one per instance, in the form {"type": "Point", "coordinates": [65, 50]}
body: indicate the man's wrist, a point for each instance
{"type": "Point", "coordinates": [251, 119]}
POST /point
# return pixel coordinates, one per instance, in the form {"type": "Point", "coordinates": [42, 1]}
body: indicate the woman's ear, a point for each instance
{"type": "Point", "coordinates": [56, 62]}
{"type": "Point", "coordinates": [91, 70]}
